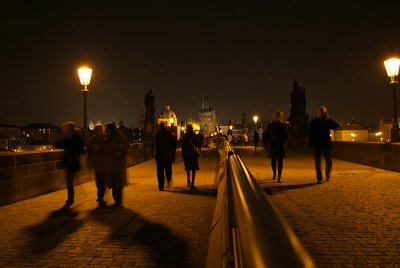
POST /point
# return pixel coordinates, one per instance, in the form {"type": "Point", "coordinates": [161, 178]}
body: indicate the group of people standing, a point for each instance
{"type": "Point", "coordinates": [165, 151]}
{"type": "Point", "coordinates": [107, 153]}
{"type": "Point", "coordinates": [319, 140]}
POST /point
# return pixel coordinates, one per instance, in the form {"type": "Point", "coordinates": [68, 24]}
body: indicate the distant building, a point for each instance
{"type": "Point", "coordinates": [385, 128]}
{"type": "Point", "coordinates": [351, 132]}
{"type": "Point", "coordinates": [9, 137]}
{"type": "Point", "coordinates": [195, 125]}
{"type": "Point", "coordinates": [207, 117]}
{"type": "Point", "coordinates": [168, 117]}
{"type": "Point", "coordinates": [138, 134]}
{"type": "Point", "coordinates": [40, 134]}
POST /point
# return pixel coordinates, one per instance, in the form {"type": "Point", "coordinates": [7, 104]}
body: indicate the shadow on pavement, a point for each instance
{"type": "Point", "coordinates": [51, 232]}
{"type": "Point", "coordinates": [270, 190]}
{"type": "Point", "coordinates": [130, 229]}
{"type": "Point", "coordinates": [198, 191]}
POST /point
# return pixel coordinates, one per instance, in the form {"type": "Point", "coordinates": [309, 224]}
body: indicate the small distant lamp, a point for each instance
{"type": "Point", "coordinates": [84, 76]}
{"type": "Point", "coordinates": [392, 69]}
{"type": "Point", "coordinates": [255, 119]}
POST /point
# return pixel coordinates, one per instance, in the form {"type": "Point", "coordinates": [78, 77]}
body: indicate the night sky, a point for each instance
{"type": "Point", "coordinates": [244, 54]}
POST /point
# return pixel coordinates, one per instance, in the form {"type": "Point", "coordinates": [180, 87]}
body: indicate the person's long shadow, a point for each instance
{"type": "Point", "coordinates": [199, 191]}
{"type": "Point", "coordinates": [49, 233]}
{"type": "Point", "coordinates": [130, 229]}
{"type": "Point", "coordinates": [270, 190]}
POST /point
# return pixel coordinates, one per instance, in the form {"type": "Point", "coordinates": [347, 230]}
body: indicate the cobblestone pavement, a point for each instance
{"type": "Point", "coordinates": [351, 221]}
{"type": "Point", "coordinates": [155, 229]}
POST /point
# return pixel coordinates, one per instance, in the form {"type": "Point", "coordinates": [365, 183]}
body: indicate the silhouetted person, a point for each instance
{"type": "Point", "coordinates": [190, 155]}
{"type": "Point", "coordinates": [274, 139]}
{"type": "Point", "coordinates": [72, 143]}
{"type": "Point", "coordinates": [256, 138]}
{"type": "Point", "coordinates": [200, 138]}
{"type": "Point", "coordinates": [320, 140]}
{"type": "Point", "coordinates": [97, 161]}
{"type": "Point", "coordinates": [165, 148]}
{"type": "Point", "coordinates": [116, 150]}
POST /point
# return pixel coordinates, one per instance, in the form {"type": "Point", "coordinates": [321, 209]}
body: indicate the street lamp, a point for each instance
{"type": "Point", "coordinates": [392, 69]}
{"type": "Point", "coordinates": [255, 119]}
{"type": "Point", "coordinates": [84, 75]}
{"type": "Point", "coordinates": [171, 121]}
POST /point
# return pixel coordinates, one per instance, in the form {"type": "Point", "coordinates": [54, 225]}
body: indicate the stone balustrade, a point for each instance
{"type": "Point", "coordinates": [29, 174]}
{"type": "Point", "coordinates": [381, 155]}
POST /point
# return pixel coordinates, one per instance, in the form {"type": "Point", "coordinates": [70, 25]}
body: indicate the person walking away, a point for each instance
{"type": "Point", "coordinates": [165, 149]}
{"type": "Point", "coordinates": [97, 161]}
{"type": "Point", "coordinates": [190, 155]}
{"type": "Point", "coordinates": [245, 139]}
{"type": "Point", "coordinates": [274, 139]}
{"type": "Point", "coordinates": [116, 150]}
{"type": "Point", "coordinates": [256, 138]}
{"type": "Point", "coordinates": [72, 143]}
{"type": "Point", "coordinates": [320, 140]}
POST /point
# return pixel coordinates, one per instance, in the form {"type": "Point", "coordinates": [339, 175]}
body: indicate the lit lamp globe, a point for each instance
{"type": "Point", "coordinates": [392, 68]}
{"type": "Point", "coordinates": [84, 76]}
{"type": "Point", "coordinates": [171, 121]}
{"type": "Point", "coordinates": [255, 119]}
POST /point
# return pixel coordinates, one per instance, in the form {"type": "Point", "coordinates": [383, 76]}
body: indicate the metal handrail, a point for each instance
{"type": "Point", "coordinates": [265, 238]}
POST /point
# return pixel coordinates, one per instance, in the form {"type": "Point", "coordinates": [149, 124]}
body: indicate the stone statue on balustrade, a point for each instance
{"type": "Point", "coordinates": [298, 119]}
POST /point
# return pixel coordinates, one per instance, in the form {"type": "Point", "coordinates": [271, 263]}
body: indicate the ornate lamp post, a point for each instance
{"type": "Point", "coordinates": [84, 76]}
{"type": "Point", "coordinates": [392, 69]}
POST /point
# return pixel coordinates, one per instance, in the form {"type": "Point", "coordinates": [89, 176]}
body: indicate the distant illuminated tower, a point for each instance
{"type": "Point", "coordinates": [207, 117]}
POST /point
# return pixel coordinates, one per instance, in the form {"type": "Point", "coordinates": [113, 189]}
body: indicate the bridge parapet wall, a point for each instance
{"type": "Point", "coordinates": [380, 155]}
{"type": "Point", "coordinates": [29, 174]}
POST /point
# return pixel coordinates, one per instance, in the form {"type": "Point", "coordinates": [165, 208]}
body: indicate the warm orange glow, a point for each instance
{"type": "Point", "coordinates": [392, 68]}
{"type": "Point", "coordinates": [171, 120]}
{"type": "Point", "coordinates": [84, 75]}
{"type": "Point", "coordinates": [255, 118]}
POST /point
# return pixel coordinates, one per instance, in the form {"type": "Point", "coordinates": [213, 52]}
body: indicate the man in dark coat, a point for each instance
{"type": "Point", "coordinates": [320, 140]}
{"type": "Point", "coordinates": [165, 148]}
{"type": "Point", "coordinates": [72, 143]}
{"type": "Point", "coordinates": [97, 161]}
{"type": "Point", "coordinates": [116, 149]}
{"type": "Point", "coordinates": [256, 138]}
{"type": "Point", "coordinates": [274, 139]}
